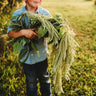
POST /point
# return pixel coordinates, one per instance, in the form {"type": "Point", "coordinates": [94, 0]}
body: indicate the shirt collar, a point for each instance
{"type": "Point", "coordinates": [37, 11]}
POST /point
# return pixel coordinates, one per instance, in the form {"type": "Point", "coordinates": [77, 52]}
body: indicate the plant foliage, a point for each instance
{"type": "Point", "coordinates": [59, 35]}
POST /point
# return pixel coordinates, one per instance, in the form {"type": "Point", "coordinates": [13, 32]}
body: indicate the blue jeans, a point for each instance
{"type": "Point", "coordinates": [32, 72]}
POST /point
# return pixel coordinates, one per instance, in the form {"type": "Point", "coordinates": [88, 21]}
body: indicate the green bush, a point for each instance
{"type": "Point", "coordinates": [11, 77]}
{"type": "Point", "coordinates": [6, 14]}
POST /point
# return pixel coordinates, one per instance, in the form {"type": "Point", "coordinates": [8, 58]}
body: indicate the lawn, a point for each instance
{"type": "Point", "coordinates": [81, 15]}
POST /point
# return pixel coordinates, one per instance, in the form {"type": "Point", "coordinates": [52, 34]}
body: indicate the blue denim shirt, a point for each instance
{"type": "Point", "coordinates": [42, 43]}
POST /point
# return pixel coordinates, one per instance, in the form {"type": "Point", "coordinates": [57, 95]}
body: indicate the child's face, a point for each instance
{"type": "Point", "coordinates": [33, 3]}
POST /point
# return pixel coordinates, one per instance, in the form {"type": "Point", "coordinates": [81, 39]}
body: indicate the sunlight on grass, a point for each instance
{"type": "Point", "coordinates": [82, 17]}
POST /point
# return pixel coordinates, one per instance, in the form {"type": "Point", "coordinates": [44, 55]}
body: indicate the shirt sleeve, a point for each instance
{"type": "Point", "coordinates": [46, 13]}
{"type": "Point", "coordinates": [9, 29]}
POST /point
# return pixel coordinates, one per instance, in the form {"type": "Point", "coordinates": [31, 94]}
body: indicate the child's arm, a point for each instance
{"type": "Point", "coordinates": [29, 33]}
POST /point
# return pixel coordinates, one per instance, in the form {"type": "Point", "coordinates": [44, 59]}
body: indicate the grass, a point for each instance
{"type": "Point", "coordinates": [82, 17]}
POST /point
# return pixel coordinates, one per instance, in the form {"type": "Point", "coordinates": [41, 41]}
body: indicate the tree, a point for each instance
{"type": "Point", "coordinates": [9, 3]}
{"type": "Point", "coordinates": [3, 4]}
{"type": "Point", "coordinates": [95, 2]}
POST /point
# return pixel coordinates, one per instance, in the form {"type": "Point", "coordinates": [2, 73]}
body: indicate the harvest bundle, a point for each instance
{"type": "Point", "coordinates": [59, 35]}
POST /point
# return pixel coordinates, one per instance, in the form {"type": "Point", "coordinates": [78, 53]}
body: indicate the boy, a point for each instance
{"type": "Point", "coordinates": [35, 66]}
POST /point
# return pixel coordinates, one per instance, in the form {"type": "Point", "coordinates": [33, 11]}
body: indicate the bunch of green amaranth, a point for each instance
{"type": "Point", "coordinates": [60, 35]}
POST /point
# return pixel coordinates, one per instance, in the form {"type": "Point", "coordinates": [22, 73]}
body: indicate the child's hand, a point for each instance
{"type": "Point", "coordinates": [29, 33]}
{"type": "Point", "coordinates": [36, 31]}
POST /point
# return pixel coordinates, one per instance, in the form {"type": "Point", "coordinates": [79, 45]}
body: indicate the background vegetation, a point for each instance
{"type": "Point", "coordinates": [81, 15]}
